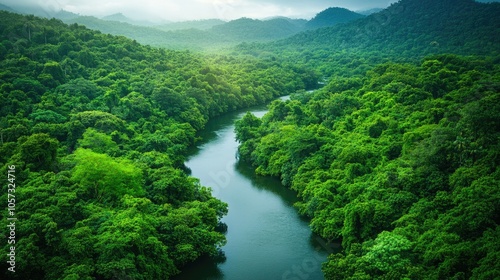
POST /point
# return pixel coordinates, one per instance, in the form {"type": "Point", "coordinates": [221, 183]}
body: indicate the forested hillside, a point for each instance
{"type": "Point", "coordinates": [407, 30]}
{"type": "Point", "coordinates": [203, 35]}
{"type": "Point", "coordinates": [190, 39]}
{"type": "Point", "coordinates": [397, 157]}
{"type": "Point", "coordinates": [332, 17]}
{"type": "Point", "coordinates": [95, 128]}
{"type": "Point", "coordinates": [192, 24]}
{"type": "Point", "coordinates": [252, 30]}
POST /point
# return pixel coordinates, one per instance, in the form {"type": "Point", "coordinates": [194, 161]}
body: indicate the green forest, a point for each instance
{"type": "Point", "coordinates": [97, 127]}
{"type": "Point", "coordinates": [396, 155]}
{"type": "Point", "coordinates": [401, 166]}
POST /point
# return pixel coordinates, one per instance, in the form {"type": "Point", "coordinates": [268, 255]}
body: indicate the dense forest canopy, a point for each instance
{"type": "Point", "coordinates": [97, 127]}
{"type": "Point", "coordinates": [397, 157]}
{"type": "Point", "coordinates": [401, 166]}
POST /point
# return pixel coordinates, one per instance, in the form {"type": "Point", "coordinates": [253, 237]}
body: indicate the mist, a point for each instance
{"type": "Point", "coordinates": [157, 10]}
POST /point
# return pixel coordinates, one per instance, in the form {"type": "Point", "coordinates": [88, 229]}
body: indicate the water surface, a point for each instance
{"type": "Point", "coordinates": [266, 238]}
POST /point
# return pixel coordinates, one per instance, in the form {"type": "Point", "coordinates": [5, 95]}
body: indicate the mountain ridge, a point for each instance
{"type": "Point", "coordinates": [331, 17]}
{"type": "Point", "coordinates": [410, 28]}
{"type": "Point", "coordinates": [199, 35]}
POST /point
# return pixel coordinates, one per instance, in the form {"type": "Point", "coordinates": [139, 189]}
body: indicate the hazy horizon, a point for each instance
{"type": "Point", "coordinates": [157, 11]}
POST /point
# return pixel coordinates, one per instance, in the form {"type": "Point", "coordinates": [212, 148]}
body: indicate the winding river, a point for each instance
{"type": "Point", "coordinates": [266, 237]}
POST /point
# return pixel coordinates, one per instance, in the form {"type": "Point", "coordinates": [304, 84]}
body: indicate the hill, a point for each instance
{"type": "Point", "coordinates": [192, 39]}
{"type": "Point", "coordinates": [7, 8]}
{"type": "Point", "coordinates": [192, 24]}
{"type": "Point", "coordinates": [249, 30]}
{"type": "Point", "coordinates": [406, 30]}
{"type": "Point", "coordinates": [370, 11]}
{"type": "Point", "coordinates": [331, 17]}
{"type": "Point", "coordinates": [196, 35]}
{"type": "Point", "coordinates": [200, 35]}
{"type": "Point", "coordinates": [122, 18]}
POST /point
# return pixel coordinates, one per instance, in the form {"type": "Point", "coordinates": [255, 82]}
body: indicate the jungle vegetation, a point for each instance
{"type": "Point", "coordinates": [97, 127]}
{"type": "Point", "coordinates": [396, 157]}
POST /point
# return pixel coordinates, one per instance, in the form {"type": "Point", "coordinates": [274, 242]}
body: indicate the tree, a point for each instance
{"type": "Point", "coordinates": [247, 127]}
{"type": "Point", "coordinates": [98, 142]}
{"type": "Point", "coordinates": [39, 151]}
{"type": "Point", "coordinates": [105, 179]}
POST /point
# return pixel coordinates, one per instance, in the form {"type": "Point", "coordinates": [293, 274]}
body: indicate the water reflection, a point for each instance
{"type": "Point", "coordinates": [266, 237]}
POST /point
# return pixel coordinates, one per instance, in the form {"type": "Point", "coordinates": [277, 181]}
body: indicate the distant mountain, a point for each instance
{"type": "Point", "coordinates": [247, 30]}
{"type": "Point", "coordinates": [331, 17]}
{"type": "Point", "coordinates": [370, 11]}
{"type": "Point", "coordinates": [122, 18]}
{"type": "Point", "coordinates": [212, 34]}
{"type": "Point", "coordinates": [65, 15]}
{"type": "Point", "coordinates": [28, 10]}
{"type": "Point", "coordinates": [7, 8]}
{"type": "Point", "coordinates": [116, 17]}
{"type": "Point", "coordinates": [409, 28]}
{"type": "Point", "coordinates": [39, 11]}
{"type": "Point", "coordinates": [218, 36]}
{"type": "Point", "coordinates": [187, 39]}
{"type": "Point", "coordinates": [198, 35]}
{"type": "Point", "coordinates": [193, 24]}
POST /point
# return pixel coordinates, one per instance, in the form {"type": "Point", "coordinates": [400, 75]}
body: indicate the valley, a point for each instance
{"type": "Point", "coordinates": [369, 150]}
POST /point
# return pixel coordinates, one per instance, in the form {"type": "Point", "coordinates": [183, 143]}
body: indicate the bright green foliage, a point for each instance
{"type": "Point", "coordinates": [246, 128]}
{"type": "Point", "coordinates": [105, 179]}
{"type": "Point", "coordinates": [402, 168]}
{"type": "Point", "coordinates": [98, 142]}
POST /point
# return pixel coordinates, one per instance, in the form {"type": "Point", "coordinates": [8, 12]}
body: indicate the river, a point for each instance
{"type": "Point", "coordinates": [266, 237]}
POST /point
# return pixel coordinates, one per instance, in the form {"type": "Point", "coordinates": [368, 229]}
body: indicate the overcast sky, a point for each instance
{"type": "Point", "coordinates": [178, 10]}
{"type": "Point", "coordinates": [175, 10]}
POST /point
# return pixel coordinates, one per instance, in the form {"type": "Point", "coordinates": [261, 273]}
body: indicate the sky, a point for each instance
{"type": "Point", "coordinates": [175, 10]}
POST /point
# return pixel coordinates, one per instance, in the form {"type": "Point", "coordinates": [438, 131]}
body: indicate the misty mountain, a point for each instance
{"type": "Point", "coordinates": [207, 34]}
{"type": "Point", "coordinates": [191, 24]}
{"type": "Point", "coordinates": [331, 17]}
{"type": "Point", "coordinates": [122, 18]}
{"type": "Point", "coordinates": [40, 12]}
{"type": "Point", "coordinates": [411, 28]}
{"type": "Point", "coordinates": [247, 30]}
{"type": "Point", "coordinates": [192, 39]}
{"type": "Point", "coordinates": [212, 34]}
{"type": "Point", "coordinates": [65, 15]}
{"type": "Point", "coordinates": [117, 17]}
{"type": "Point", "coordinates": [6, 8]}
{"type": "Point", "coordinates": [370, 11]}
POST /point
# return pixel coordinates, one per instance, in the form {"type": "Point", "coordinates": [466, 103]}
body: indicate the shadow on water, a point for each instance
{"type": "Point", "coordinates": [266, 236]}
{"type": "Point", "coordinates": [204, 268]}
{"type": "Point", "coordinates": [271, 184]}
{"type": "Point", "coordinates": [215, 125]}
